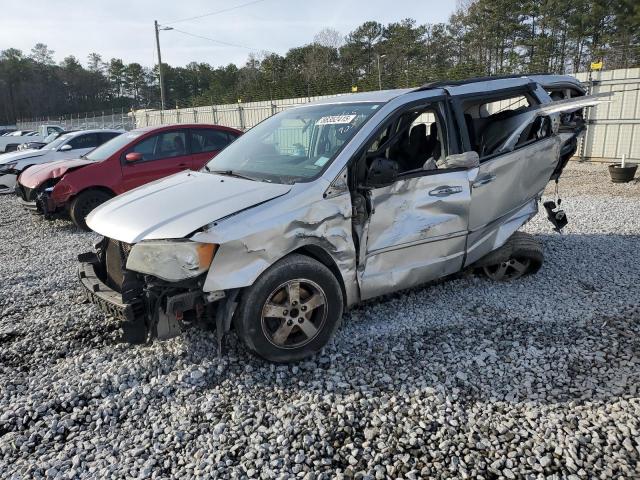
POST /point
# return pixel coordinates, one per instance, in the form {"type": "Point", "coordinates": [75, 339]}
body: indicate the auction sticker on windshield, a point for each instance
{"type": "Point", "coordinates": [336, 119]}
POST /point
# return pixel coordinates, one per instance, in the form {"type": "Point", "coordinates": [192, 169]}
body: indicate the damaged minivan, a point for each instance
{"type": "Point", "coordinates": [331, 203]}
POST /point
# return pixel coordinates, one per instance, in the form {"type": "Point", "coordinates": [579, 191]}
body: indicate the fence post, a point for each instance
{"type": "Point", "coordinates": [585, 138]}
{"type": "Point", "coordinates": [241, 115]}
{"type": "Point", "coordinates": [274, 109]}
{"type": "Point", "coordinates": [214, 112]}
{"type": "Point", "coordinates": [177, 115]}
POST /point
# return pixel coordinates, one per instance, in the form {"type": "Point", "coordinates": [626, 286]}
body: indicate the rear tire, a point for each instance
{"type": "Point", "coordinates": [291, 311]}
{"type": "Point", "coordinates": [520, 255]}
{"type": "Point", "coordinates": [84, 203]}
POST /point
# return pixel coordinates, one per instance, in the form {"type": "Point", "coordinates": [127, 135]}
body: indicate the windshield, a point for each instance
{"type": "Point", "coordinates": [58, 141]}
{"type": "Point", "coordinates": [107, 149]}
{"type": "Point", "coordinates": [294, 145]}
{"type": "Point", "coordinates": [51, 137]}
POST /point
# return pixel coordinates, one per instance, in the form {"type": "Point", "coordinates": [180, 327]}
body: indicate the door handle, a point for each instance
{"type": "Point", "coordinates": [483, 180]}
{"type": "Point", "coordinates": [445, 191]}
{"type": "Point", "coordinates": [182, 165]}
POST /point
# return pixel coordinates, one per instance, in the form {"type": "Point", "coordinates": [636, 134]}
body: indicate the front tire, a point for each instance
{"type": "Point", "coordinates": [84, 203]}
{"type": "Point", "coordinates": [291, 311]}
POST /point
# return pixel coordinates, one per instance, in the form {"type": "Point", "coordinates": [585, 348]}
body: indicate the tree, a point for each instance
{"type": "Point", "coordinates": [41, 54]}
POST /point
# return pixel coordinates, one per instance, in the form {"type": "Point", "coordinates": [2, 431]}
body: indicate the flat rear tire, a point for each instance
{"type": "Point", "coordinates": [521, 255]}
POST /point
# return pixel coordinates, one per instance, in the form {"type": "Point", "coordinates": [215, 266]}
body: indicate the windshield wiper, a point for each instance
{"type": "Point", "coordinates": [231, 173]}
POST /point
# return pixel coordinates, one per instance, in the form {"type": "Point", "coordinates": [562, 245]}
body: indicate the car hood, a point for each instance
{"type": "Point", "coordinates": [35, 175]}
{"type": "Point", "coordinates": [178, 205]}
{"type": "Point", "coordinates": [21, 155]}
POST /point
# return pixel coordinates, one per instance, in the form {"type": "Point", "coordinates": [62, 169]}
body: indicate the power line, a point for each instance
{"type": "Point", "coordinates": [229, 44]}
{"type": "Point", "coordinates": [217, 12]}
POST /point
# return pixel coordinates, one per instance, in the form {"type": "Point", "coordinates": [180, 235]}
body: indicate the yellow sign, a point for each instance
{"type": "Point", "coordinates": [354, 89]}
{"type": "Point", "coordinates": [596, 65]}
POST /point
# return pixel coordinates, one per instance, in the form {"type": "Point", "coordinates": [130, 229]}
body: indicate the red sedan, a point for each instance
{"type": "Point", "coordinates": [75, 187]}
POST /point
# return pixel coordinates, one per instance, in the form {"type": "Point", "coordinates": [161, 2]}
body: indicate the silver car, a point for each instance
{"type": "Point", "coordinates": [331, 203]}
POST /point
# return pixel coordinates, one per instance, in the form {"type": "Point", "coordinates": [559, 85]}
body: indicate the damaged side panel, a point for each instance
{"type": "Point", "coordinates": [505, 185]}
{"type": "Point", "coordinates": [251, 242]}
{"type": "Point", "coordinates": [416, 232]}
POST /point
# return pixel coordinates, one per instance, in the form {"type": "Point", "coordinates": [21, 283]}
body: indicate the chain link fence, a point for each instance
{"type": "Point", "coordinates": [118, 119]}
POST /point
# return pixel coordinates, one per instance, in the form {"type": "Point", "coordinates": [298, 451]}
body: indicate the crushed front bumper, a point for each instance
{"type": "Point", "coordinates": [37, 200]}
{"type": "Point", "coordinates": [131, 314]}
{"type": "Point", "coordinates": [147, 308]}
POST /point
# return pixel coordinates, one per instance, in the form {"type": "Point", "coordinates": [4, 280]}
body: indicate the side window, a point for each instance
{"type": "Point", "coordinates": [146, 147]}
{"type": "Point", "coordinates": [414, 141]}
{"type": "Point", "coordinates": [90, 140]}
{"type": "Point", "coordinates": [573, 120]}
{"type": "Point", "coordinates": [208, 140]}
{"type": "Point", "coordinates": [106, 136]}
{"type": "Point", "coordinates": [492, 123]}
{"type": "Point", "coordinates": [232, 136]}
{"type": "Point", "coordinates": [162, 145]}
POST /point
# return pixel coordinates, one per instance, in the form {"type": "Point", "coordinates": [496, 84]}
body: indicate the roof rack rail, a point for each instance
{"type": "Point", "coordinates": [453, 83]}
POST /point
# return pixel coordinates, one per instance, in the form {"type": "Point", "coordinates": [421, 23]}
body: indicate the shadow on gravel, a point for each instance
{"type": "Point", "coordinates": [569, 333]}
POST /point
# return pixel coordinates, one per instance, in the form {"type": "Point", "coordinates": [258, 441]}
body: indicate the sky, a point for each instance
{"type": "Point", "coordinates": [124, 29]}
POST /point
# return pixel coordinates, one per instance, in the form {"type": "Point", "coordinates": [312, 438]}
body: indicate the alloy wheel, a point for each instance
{"type": "Point", "coordinates": [508, 270]}
{"type": "Point", "coordinates": [294, 313]}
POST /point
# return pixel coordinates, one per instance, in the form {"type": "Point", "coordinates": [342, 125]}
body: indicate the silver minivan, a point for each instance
{"type": "Point", "coordinates": [331, 203]}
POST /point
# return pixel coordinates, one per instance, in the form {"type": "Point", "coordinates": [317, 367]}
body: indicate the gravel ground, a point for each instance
{"type": "Point", "coordinates": [464, 379]}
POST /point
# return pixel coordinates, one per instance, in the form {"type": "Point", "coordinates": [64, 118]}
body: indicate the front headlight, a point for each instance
{"type": "Point", "coordinates": [171, 260]}
{"type": "Point", "coordinates": [8, 166]}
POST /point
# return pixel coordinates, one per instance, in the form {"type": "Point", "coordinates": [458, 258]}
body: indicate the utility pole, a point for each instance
{"type": "Point", "coordinates": [162, 97]}
{"type": "Point", "coordinates": [380, 74]}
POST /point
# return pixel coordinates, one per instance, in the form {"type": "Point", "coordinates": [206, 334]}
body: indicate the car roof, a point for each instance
{"type": "Point", "coordinates": [377, 96]}
{"type": "Point", "coordinates": [160, 128]}
{"type": "Point", "coordinates": [76, 133]}
{"type": "Point", "coordinates": [469, 85]}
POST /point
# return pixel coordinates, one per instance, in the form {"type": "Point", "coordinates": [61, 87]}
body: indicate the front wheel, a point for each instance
{"type": "Point", "coordinates": [291, 311]}
{"type": "Point", "coordinates": [84, 203]}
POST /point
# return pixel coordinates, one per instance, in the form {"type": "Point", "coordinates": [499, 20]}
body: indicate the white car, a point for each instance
{"type": "Point", "coordinates": [67, 146]}
{"type": "Point", "coordinates": [11, 141]}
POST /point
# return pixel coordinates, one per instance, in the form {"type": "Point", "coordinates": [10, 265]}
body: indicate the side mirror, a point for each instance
{"type": "Point", "coordinates": [382, 172]}
{"type": "Point", "coordinates": [464, 160]}
{"type": "Point", "coordinates": [65, 148]}
{"type": "Point", "coordinates": [133, 157]}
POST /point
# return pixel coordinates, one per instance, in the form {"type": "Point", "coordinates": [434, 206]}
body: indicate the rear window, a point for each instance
{"type": "Point", "coordinates": [209, 140]}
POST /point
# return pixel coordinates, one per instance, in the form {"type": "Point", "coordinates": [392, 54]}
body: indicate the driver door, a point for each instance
{"type": "Point", "coordinates": [418, 225]}
{"type": "Point", "coordinates": [163, 154]}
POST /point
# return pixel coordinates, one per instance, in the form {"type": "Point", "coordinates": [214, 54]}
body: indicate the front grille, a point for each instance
{"type": "Point", "coordinates": [115, 255]}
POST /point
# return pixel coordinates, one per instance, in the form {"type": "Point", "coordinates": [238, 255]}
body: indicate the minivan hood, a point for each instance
{"type": "Point", "coordinates": [21, 155]}
{"type": "Point", "coordinates": [37, 174]}
{"type": "Point", "coordinates": [178, 205]}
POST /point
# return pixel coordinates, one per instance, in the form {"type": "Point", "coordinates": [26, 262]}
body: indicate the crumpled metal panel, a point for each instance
{"type": "Point", "coordinates": [177, 205]}
{"type": "Point", "coordinates": [504, 185]}
{"type": "Point", "coordinates": [250, 242]}
{"type": "Point", "coordinates": [416, 232]}
{"type": "Point", "coordinates": [493, 236]}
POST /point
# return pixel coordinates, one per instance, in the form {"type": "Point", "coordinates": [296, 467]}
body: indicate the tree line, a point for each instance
{"type": "Point", "coordinates": [482, 37]}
